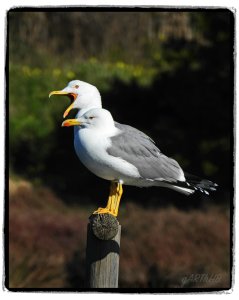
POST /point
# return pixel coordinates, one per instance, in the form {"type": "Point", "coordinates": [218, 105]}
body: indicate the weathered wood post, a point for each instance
{"type": "Point", "coordinates": [102, 251]}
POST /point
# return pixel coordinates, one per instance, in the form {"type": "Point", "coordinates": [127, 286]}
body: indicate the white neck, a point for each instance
{"type": "Point", "coordinates": [85, 109]}
{"type": "Point", "coordinates": [87, 102]}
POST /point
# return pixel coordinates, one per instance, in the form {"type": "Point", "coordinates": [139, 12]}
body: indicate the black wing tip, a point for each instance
{"type": "Point", "coordinates": [204, 186]}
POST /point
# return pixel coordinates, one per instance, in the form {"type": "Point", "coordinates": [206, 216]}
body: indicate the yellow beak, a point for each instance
{"type": "Point", "coordinates": [66, 112]}
{"type": "Point", "coordinates": [58, 93]}
{"type": "Point", "coordinates": [70, 122]}
{"type": "Point", "coordinates": [72, 96]}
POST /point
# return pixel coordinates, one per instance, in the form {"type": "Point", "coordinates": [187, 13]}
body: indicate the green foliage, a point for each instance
{"type": "Point", "coordinates": [34, 118]}
{"type": "Point", "coordinates": [31, 121]}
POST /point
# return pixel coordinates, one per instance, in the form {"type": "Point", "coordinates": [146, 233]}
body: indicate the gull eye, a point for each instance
{"type": "Point", "coordinates": [76, 86]}
{"type": "Point", "coordinates": [91, 118]}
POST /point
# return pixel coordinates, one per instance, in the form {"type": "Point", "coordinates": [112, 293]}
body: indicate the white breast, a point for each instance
{"type": "Point", "coordinates": [90, 146]}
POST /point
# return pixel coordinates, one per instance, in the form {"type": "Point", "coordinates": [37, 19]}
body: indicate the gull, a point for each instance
{"type": "Point", "coordinates": [123, 158]}
{"type": "Point", "coordinates": [85, 96]}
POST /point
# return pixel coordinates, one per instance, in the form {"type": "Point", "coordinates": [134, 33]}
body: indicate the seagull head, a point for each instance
{"type": "Point", "coordinates": [81, 94]}
{"type": "Point", "coordinates": [97, 118]}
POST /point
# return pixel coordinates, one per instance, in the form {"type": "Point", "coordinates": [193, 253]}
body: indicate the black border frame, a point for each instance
{"type": "Point", "coordinates": [232, 137]}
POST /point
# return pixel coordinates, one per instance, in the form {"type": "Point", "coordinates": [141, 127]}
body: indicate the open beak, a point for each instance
{"type": "Point", "coordinates": [71, 96]}
{"type": "Point", "coordinates": [70, 122]}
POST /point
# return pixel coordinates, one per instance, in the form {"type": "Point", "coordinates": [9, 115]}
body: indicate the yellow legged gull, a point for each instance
{"type": "Point", "coordinates": [85, 96]}
{"type": "Point", "coordinates": [126, 156]}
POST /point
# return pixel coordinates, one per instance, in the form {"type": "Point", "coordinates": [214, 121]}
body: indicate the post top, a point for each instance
{"type": "Point", "coordinates": [104, 226]}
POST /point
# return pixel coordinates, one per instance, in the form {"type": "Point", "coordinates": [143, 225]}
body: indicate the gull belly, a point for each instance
{"type": "Point", "coordinates": [90, 146]}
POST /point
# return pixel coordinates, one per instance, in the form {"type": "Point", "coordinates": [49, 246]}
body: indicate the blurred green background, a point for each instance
{"type": "Point", "coordinates": [168, 73]}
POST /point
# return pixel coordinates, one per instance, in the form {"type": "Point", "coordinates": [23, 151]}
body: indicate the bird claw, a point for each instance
{"type": "Point", "coordinates": [105, 210]}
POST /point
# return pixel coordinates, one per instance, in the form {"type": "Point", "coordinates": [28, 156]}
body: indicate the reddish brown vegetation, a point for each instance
{"type": "Point", "coordinates": [159, 248]}
{"type": "Point", "coordinates": [169, 245]}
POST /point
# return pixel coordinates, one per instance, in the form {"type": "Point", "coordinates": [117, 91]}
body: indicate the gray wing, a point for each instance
{"type": "Point", "coordinates": [138, 149]}
{"type": "Point", "coordinates": [132, 131]}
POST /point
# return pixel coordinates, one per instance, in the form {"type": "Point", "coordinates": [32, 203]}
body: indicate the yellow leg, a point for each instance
{"type": "Point", "coordinates": [117, 198]}
{"type": "Point", "coordinates": [116, 191]}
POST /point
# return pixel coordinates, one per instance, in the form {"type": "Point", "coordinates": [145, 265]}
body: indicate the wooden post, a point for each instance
{"type": "Point", "coordinates": [102, 251]}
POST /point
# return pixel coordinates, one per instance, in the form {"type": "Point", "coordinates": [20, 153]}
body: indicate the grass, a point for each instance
{"type": "Point", "coordinates": [162, 247]}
